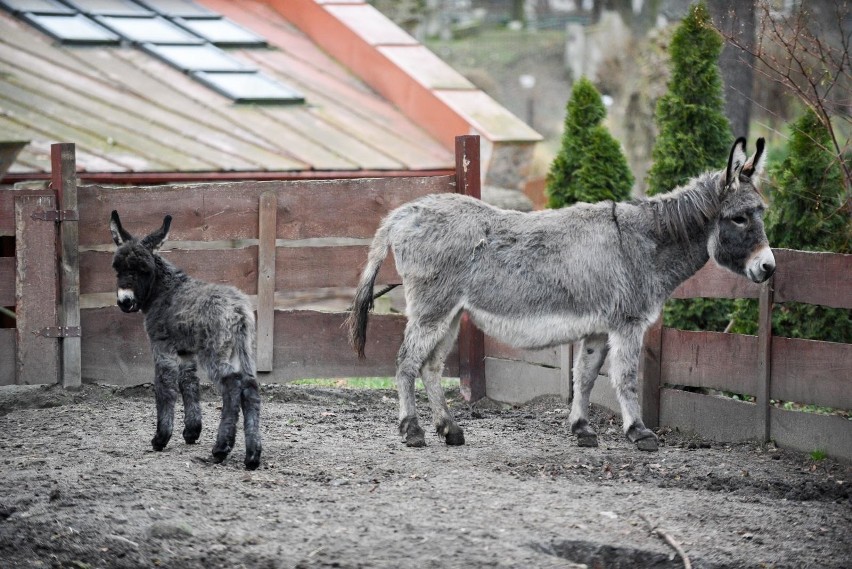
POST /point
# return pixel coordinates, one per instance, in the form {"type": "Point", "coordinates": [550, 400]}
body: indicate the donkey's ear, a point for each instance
{"type": "Point", "coordinates": [156, 239]}
{"type": "Point", "coordinates": [754, 167]}
{"type": "Point", "coordinates": [736, 161]}
{"type": "Point", "coordinates": [119, 235]}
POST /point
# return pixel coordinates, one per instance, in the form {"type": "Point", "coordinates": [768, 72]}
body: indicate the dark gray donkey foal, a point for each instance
{"type": "Point", "coordinates": [592, 272]}
{"type": "Point", "coordinates": [187, 321]}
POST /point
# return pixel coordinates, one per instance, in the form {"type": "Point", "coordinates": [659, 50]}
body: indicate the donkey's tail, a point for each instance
{"type": "Point", "coordinates": [363, 303]}
{"type": "Point", "coordinates": [247, 342]}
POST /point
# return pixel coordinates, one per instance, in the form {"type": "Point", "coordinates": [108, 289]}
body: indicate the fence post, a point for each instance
{"type": "Point", "coordinates": [268, 208]}
{"type": "Point", "coordinates": [764, 358]}
{"type": "Point", "coordinates": [63, 177]}
{"type": "Point", "coordinates": [566, 371]}
{"type": "Point", "coordinates": [652, 357]}
{"type": "Point", "coordinates": [37, 351]}
{"type": "Point", "coordinates": [471, 340]}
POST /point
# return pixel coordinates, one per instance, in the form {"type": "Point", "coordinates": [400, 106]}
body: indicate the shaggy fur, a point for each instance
{"type": "Point", "coordinates": [592, 272]}
{"type": "Point", "coordinates": [190, 321]}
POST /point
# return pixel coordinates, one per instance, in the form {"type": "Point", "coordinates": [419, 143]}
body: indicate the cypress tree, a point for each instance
{"type": "Point", "coordinates": [694, 135]}
{"type": "Point", "coordinates": [590, 166]}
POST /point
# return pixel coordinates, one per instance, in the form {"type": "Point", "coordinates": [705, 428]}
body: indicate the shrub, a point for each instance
{"type": "Point", "coordinates": [590, 166]}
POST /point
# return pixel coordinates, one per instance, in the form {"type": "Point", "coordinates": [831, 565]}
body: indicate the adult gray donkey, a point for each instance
{"type": "Point", "coordinates": [592, 272]}
{"type": "Point", "coordinates": [187, 321]}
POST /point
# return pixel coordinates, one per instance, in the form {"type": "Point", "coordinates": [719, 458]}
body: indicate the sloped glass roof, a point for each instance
{"type": "Point", "coordinates": [178, 8]}
{"type": "Point", "coordinates": [151, 30]}
{"type": "Point", "coordinates": [110, 7]}
{"type": "Point", "coordinates": [220, 31]}
{"type": "Point", "coordinates": [251, 87]}
{"type": "Point", "coordinates": [196, 57]}
{"type": "Point", "coordinates": [36, 6]}
{"type": "Point", "coordinates": [74, 29]}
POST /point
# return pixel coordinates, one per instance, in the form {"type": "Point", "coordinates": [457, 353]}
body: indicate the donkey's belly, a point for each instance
{"type": "Point", "coordinates": [535, 331]}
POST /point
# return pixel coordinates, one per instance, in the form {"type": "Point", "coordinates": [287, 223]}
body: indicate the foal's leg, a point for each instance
{"type": "Point", "coordinates": [166, 372]}
{"type": "Point", "coordinates": [419, 342]}
{"type": "Point", "coordinates": [445, 424]}
{"type": "Point", "coordinates": [626, 350]}
{"type": "Point", "coordinates": [593, 350]}
{"type": "Point", "coordinates": [250, 400]}
{"type": "Point", "coordinates": [189, 389]}
{"type": "Point", "coordinates": [229, 382]}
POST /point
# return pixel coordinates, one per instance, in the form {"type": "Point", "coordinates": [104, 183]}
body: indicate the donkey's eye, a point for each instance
{"type": "Point", "coordinates": [739, 220]}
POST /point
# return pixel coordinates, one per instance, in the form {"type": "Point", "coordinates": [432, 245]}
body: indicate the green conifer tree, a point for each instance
{"type": "Point", "coordinates": [590, 166]}
{"type": "Point", "coordinates": [694, 137]}
{"type": "Point", "coordinates": [805, 213]}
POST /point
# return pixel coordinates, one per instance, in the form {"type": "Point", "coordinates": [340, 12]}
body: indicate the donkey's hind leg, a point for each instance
{"type": "Point", "coordinates": [166, 371]}
{"type": "Point", "coordinates": [419, 342]}
{"type": "Point", "coordinates": [593, 351]}
{"type": "Point", "coordinates": [250, 401]}
{"type": "Point", "coordinates": [626, 350]}
{"type": "Point", "coordinates": [189, 389]}
{"type": "Point", "coordinates": [445, 424]}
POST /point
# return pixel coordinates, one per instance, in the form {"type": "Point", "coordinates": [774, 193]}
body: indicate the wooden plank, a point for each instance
{"type": "Point", "coordinates": [650, 372]}
{"type": "Point", "coordinates": [566, 370]}
{"type": "Point", "coordinates": [266, 280]}
{"type": "Point", "coordinates": [304, 268]}
{"type": "Point", "coordinates": [713, 417]}
{"type": "Point", "coordinates": [807, 432]}
{"type": "Point", "coordinates": [550, 357]}
{"type": "Point", "coordinates": [64, 181]}
{"type": "Point", "coordinates": [115, 347]}
{"type": "Point", "coordinates": [37, 357]}
{"type": "Point", "coordinates": [7, 207]}
{"type": "Point", "coordinates": [516, 382]}
{"type": "Point", "coordinates": [210, 212]}
{"type": "Point", "coordinates": [709, 359]}
{"type": "Point", "coordinates": [712, 281]}
{"type": "Point", "coordinates": [815, 278]}
{"type": "Point", "coordinates": [7, 356]}
{"type": "Point", "coordinates": [811, 372]}
{"type": "Point", "coordinates": [763, 375]}
{"type": "Point", "coordinates": [7, 281]}
{"type": "Point", "coordinates": [471, 340]}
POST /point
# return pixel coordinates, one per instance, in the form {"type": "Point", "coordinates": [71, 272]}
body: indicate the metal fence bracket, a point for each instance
{"type": "Point", "coordinates": [56, 215]}
{"type": "Point", "coordinates": [59, 332]}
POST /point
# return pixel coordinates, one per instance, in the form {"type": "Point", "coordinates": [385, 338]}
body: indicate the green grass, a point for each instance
{"type": "Point", "coordinates": [367, 382]}
{"type": "Point", "coordinates": [818, 455]}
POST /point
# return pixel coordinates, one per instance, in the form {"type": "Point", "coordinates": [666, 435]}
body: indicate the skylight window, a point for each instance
{"type": "Point", "coordinates": [223, 32]}
{"type": "Point", "coordinates": [76, 29]}
{"type": "Point", "coordinates": [149, 30]}
{"type": "Point", "coordinates": [251, 87]}
{"type": "Point", "coordinates": [37, 6]}
{"type": "Point", "coordinates": [189, 58]}
{"type": "Point", "coordinates": [110, 7]}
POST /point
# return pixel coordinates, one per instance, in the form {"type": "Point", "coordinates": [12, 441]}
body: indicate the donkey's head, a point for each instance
{"type": "Point", "coordinates": [134, 263]}
{"type": "Point", "coordinates": [738, 240]}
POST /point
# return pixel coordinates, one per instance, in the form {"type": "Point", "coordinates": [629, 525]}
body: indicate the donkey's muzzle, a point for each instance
{"type": "Point", "coordinates": [127, 300]}
{"type": "Point", "coordinates": [761, 266]}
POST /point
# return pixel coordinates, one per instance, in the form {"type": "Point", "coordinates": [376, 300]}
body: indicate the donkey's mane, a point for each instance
{"type": "Point", "coordinates": [685, 209]}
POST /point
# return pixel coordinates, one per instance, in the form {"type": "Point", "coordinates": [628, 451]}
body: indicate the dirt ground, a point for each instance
{"type": "Point", "coordinates": [81, 488]}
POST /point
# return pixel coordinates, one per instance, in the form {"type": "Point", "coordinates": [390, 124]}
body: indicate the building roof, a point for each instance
{"type": "Point", "coordinates": [376, 102]}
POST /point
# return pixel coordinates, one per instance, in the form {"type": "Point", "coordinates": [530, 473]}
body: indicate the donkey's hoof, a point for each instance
{"type": "Point", "coordinates": [412, 434]}
{"type": "Point", "coordinates": [158, 443]}
{"type": "Point", "coordinates": [455, 438]}
{"type": "Point", "coordinates": [644, 438]}
{"type": "Point", "coordinates": [650, 444]}
{"type": "Point", "coordinates": [220, 454]}
{"type": "Point", "coordinates": [587, 440]}
{"type": "Point", "coordinates": [252, 462]}
{"type": "Point", "coordinates": [191, 434]}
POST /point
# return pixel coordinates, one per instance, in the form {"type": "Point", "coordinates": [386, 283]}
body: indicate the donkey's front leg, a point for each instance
{"type": "Point", "coordinates": [189, 389]}
{"type": "Point", "coordinates": [626, 350]}
{"type": "Point", "coordinates": [593, 350]}
{"type": "Point", "coordinates": [165, 392]}
{"type": "Point", "coordinates": [250, 399]}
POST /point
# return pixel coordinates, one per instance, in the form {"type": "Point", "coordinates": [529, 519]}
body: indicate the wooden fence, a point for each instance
{"type": "Point", "coordinates": [273, 239]}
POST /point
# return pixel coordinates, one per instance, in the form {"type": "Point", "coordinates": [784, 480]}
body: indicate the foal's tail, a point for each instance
{"type": "Point", "coordinates": [363, 303]}
{"type": "Point", "coordinates": [247, 342]}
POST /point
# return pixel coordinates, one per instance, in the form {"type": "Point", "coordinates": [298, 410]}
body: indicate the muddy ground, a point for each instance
{"type": "Point", "coordinates": [81, 488]}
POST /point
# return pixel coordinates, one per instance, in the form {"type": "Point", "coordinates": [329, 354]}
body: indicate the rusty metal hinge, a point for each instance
{"type": "Point", "coordinates": [56, 215]}
{"type": "Point", "coordinates": [59, 332]}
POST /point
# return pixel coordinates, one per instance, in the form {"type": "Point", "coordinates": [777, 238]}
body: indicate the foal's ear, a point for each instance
{"type": "Point", "coordinates": [736, 161]}
{"type": "Point", "coordinates": [119, 235]}
{"type": "Point", "coordinates": [754, 167]}
{"type": "Point", "coordinates": [155, 240]}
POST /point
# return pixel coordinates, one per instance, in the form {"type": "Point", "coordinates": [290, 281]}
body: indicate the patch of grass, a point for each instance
{"type": "Point", "coordinates": [368, 382]}
{"type": "Point", "coordinates": [818, 454]}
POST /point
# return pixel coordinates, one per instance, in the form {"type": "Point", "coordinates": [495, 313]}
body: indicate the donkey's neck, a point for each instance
{"type": "Point", "coordinates": [168, 279]}
{"type": "Point", "coordinates": [683, 221]}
